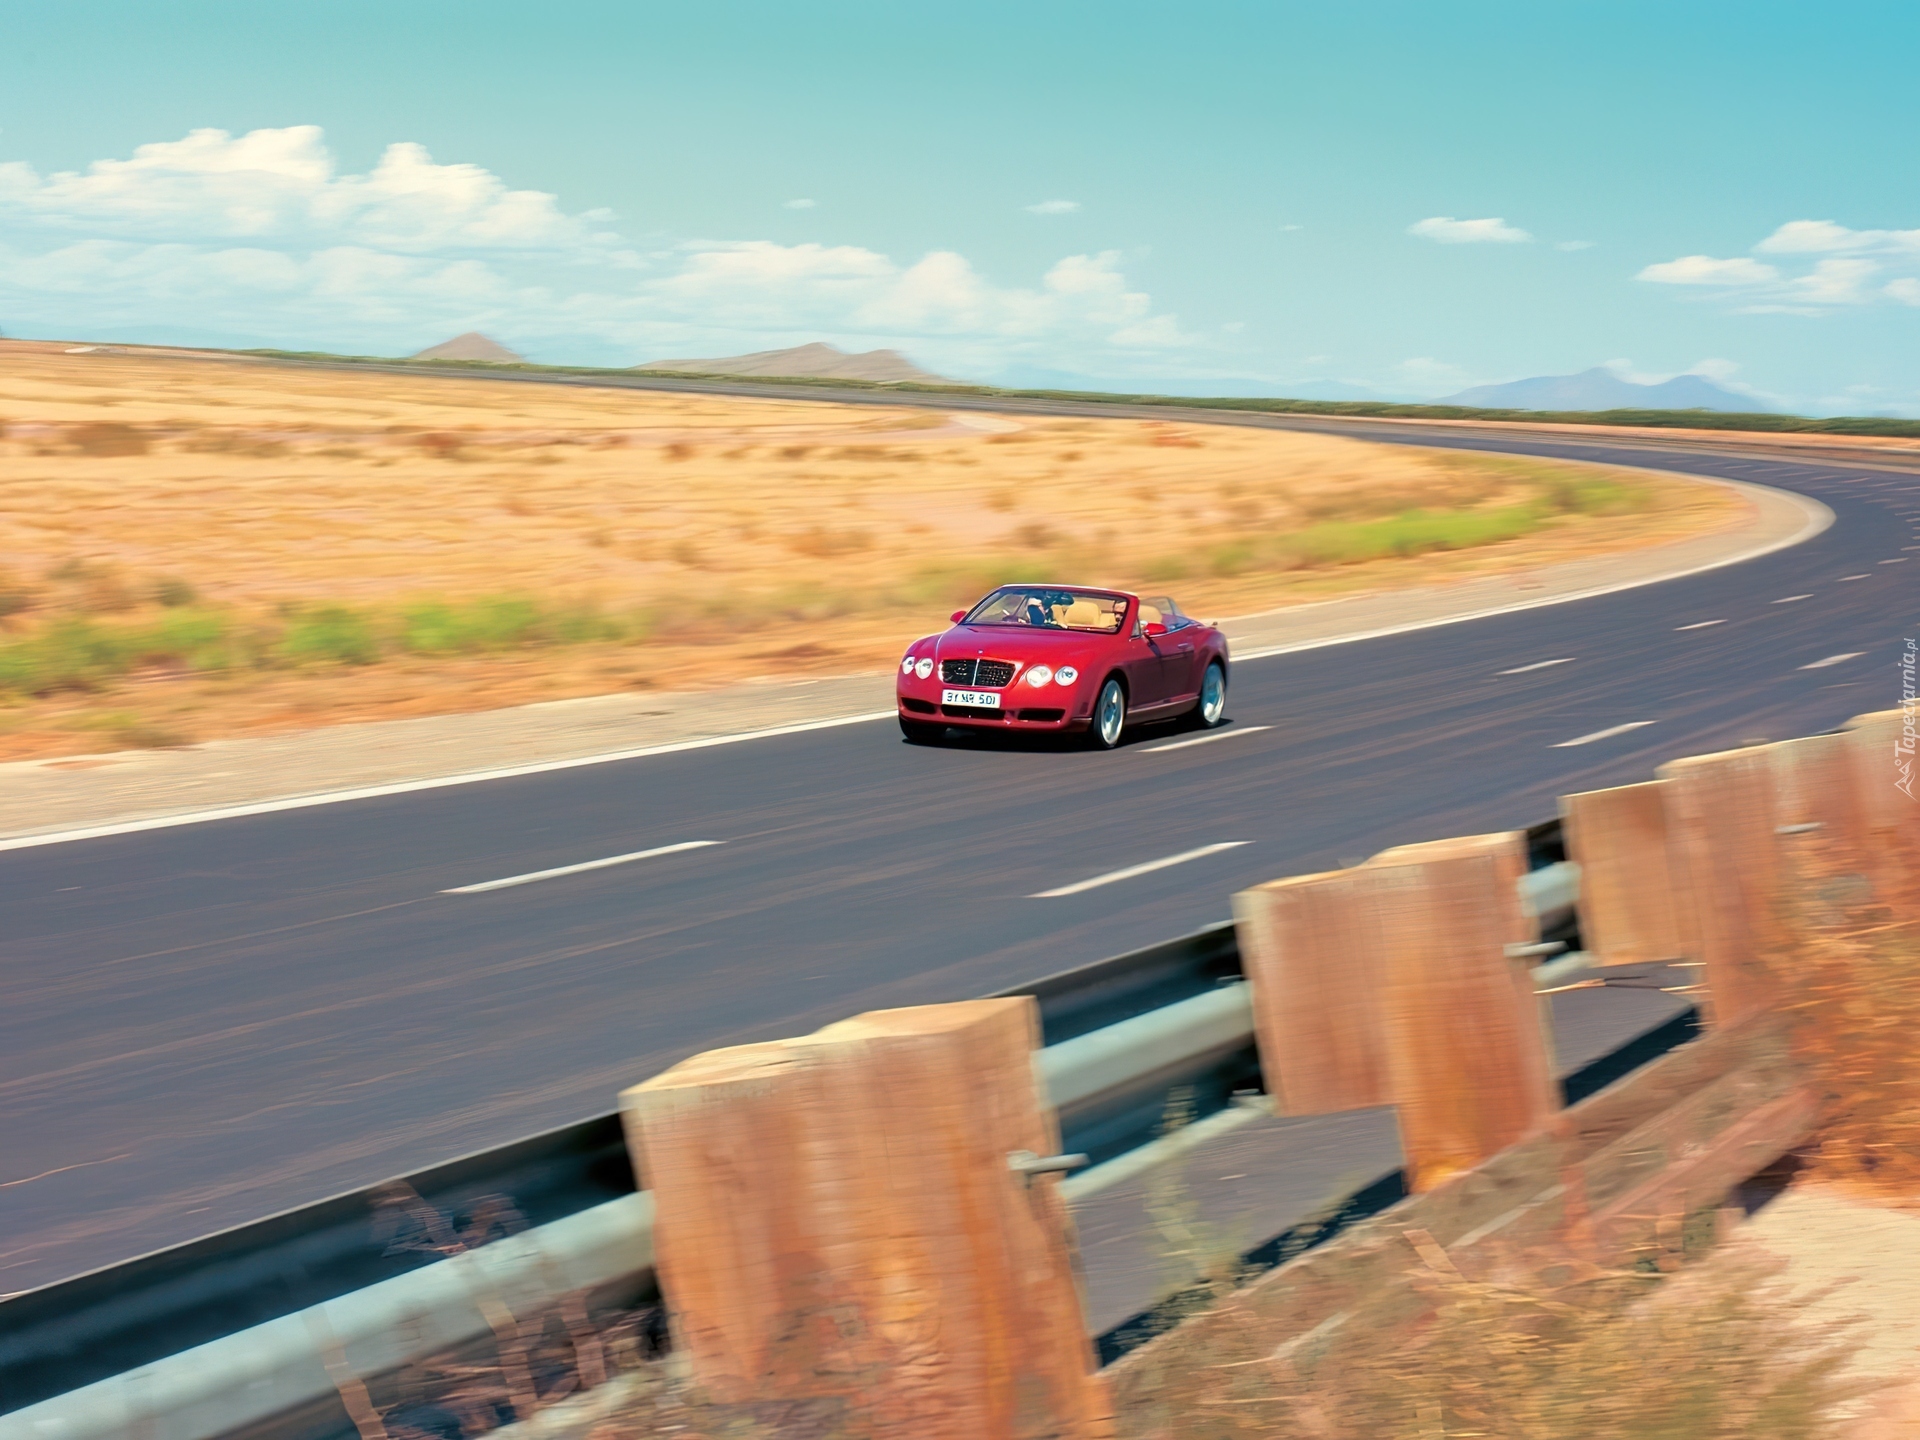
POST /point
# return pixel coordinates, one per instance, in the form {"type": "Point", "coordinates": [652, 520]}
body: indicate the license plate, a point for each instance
{"type": "Point", "coordinates": [975, 699]}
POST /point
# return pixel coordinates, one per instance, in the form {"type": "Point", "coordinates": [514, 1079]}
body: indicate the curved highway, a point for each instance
{"type": "Point", "coordinates": [209, 1023]}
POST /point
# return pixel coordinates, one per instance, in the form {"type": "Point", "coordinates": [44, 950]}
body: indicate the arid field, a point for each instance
{"type": "Point", "coordinates": [192, 548]}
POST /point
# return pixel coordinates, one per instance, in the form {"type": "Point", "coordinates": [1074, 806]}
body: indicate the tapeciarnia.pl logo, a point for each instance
{"type": "Point", "coordinates": [1903, 747]}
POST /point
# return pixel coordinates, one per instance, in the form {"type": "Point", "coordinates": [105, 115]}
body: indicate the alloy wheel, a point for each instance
{"type": "Point", "coordinates": [1213, 696]}
{"type": "Point", "coordinates": [1110, 714]}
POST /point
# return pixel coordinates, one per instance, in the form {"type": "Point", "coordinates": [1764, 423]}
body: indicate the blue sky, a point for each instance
{"type": "Point", "coordinates": [1402, 199]}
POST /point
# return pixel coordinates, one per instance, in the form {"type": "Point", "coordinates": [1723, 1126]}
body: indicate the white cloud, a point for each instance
{"type": "Point", "coordinates": [1574, 245]}
{"type": "Point", "coordinates": [1721, 372]}
{"type": "Point", "coordinates": [1286, 229]}
{"type": "Point", "coordinates": [801, 204]}
{"type": "Point", "coordinates": [261, 235]}
{"type": "Point", "coordinates": [1848, 273]}
{"type": "Point", "coordinates": [1705, 270]}
{"type": "Point", "coordinates": [1834, 282]}
{"type": "Point", "coordinates": [1449, 231]}
{"type": "Point", "coordinates": [1054, 207]}
{"type": "Point", "coordinates": [1811, 237]}
{"type": "Point", "coordinates": [281, 184]}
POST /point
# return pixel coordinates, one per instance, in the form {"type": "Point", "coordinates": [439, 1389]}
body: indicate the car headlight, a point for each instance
{"type": "Point", "coordinates": [906, 666]}
{"type": "Point", "coordinates": [1039, 675]}
{"type": "Point", "coordinates": [1066, 674]}
{"type": "Point", "coordinates": [923, 668]}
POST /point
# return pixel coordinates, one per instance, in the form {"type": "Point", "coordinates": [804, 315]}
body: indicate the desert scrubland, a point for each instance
{"type": "Point", "coordinates": [193, 548]}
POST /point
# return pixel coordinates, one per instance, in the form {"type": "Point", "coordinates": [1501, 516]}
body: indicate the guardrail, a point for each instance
{"type": "Point", "coordinates": [232, 1334]}
{"type": "Point", "coordinates": [262, 1331]}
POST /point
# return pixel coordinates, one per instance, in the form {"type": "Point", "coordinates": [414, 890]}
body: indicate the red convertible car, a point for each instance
{"type": "Point", "coordinates": [1063, 658]}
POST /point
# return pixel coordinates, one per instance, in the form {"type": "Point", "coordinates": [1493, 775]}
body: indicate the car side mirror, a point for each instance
{"type": "Point", "coordinates": [1155, 628]}
{"type": "Point", "coordinates": [957, 616]}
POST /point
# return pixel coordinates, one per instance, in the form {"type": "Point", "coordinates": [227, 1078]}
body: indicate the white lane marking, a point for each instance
{"type": "Point", "coordinates": [1697, 625]}
{"type": "Point", "coordinates": [559, 870]}
{"type": "Point", "coordinates": [1856, 577]}
{"type": "Point", "coordinates": [435, 782]}
{"type": "Point", "coordinates": [1834, 660]}
{"type": "Point", "coordinates": [1602, 734]}
{"type": "Point", "coordinates": [1207, 739]}
{"type": "Point", "coordinates": [1899, 560]}
{"type": "Point", "coordinates": [1114, 876]}
{"type": "Point", "coordinates": [1818, 518]}
{"type": "Point", "coordinates": [1789, 599]}
{"type": "Point", "coordinates": [1538, 665]}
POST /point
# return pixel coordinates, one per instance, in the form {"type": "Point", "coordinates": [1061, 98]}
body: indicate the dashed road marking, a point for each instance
{"type": "Point", "coordinates": [1856, 577]}
{"type": "Point", "coordinates": [1602, 734]}
{"type": "Point", "coordinates": [1207, 739]}
{"type": "Point", "coordinates": [1700, 624]}
{"type": "Point", "coordinates": [1789, 599]}
{"type": "Point", "coordinates": [1538, 665]}
{"type": "Point", "coordinates": [560, 870]}
{"type": "Point", "coordinates": [1114, 876]}
{"type": "Point", "coordinates": [1834, 660]}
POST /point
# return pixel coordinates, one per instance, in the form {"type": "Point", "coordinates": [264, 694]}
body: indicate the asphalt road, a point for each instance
{"type": "Point", "coordinates": [209, 1023]}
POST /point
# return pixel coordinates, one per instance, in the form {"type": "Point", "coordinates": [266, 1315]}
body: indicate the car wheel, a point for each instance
{"type": "Point", "coordinates": [1109, 716]}
{"type": "Point", "coordinates": [1212, 708]}
{"type": "Point", "coordinates": [920, 732]}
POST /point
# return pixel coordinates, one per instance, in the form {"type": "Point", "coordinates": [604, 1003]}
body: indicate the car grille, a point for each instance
{"type": "Point", "coordinates": [987, 674]}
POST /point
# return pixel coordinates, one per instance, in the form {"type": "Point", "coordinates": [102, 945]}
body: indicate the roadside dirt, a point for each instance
{"type": "Point", "coordinates": [1853, 1263]}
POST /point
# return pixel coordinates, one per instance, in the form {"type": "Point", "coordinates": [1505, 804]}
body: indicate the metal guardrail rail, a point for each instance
{"type": "Point", "coordinates": [240, 1334]}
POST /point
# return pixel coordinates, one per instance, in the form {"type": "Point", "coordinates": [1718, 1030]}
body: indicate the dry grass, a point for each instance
{"type": "Point", "coordinates": [1854, 972]}
{"type": "Point", "coordinates": [212, 545]}
{"type": "Point", "coordinates": [1606, 1357]}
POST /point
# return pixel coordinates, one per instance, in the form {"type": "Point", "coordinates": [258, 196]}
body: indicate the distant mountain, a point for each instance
{"type": "Point", "coordinates": [810, 361]}
{"type": "Point", "coordinates": [1601, 389]}
{"type": "Point", "coordinates": [470, 346]}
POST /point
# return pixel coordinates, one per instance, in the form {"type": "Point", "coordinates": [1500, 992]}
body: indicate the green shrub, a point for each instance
{"type": "Point", "coordinates": [330, 633]}
{"type": "Point", "coordinates": [172, 592]}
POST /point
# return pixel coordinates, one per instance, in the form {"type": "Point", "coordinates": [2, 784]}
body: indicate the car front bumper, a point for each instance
{"type": "Point", "coordinates": [1040, 711]}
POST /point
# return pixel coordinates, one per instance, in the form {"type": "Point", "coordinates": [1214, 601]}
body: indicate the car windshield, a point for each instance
{"type": "Point", "coordinates": [1050, 609]}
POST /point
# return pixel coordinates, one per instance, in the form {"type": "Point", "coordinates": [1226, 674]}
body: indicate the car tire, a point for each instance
{"type": "Point", "coordinates": [1211, 707]}
{"type": "Point", "coordinates": [1109, 720]}
{"type": "Point", "coordinates": [921, 732]}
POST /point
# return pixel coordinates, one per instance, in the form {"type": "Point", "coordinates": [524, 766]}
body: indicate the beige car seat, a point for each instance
{"type": "Point", "coordinates": [1085, 615]}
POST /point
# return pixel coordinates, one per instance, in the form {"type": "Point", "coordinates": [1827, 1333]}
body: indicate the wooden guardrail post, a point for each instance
{"type": "Point", "coordinates": [1469, 1049]}
{"type": "Point", "coordinates": [1721, 830]}
{"type": "Point", "coordinates": [1629, 914]}
{"type": "Point", "coordinates": [1311, 948]}
{"type": "Point", "coordinates": [837, 1221]}
{"type": "Point", "coordinates": [1393, 982]}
